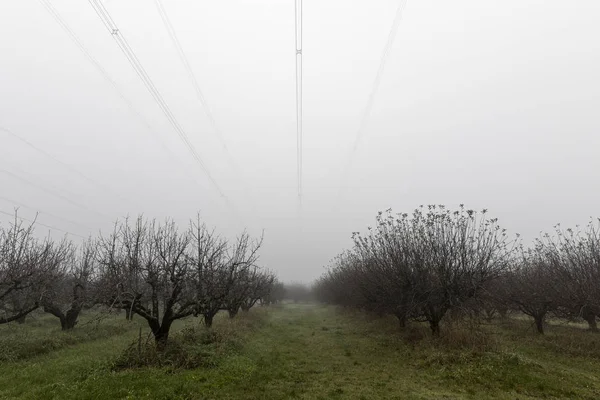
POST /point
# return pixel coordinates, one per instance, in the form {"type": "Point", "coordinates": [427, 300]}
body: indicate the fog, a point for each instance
{"type": "Point", "coordinates": [487, 103]}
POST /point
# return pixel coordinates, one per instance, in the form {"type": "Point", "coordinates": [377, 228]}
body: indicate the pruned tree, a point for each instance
{"type": "Point", "coordinates": [530, 287]}
{"type": "Point", "coordinates": [420, 266]}
{"type": "Point", "coordinates": [238, 292]}
{"type": "Point", "coordinates": [261, 286]}
{"type": "Point", "coordinates": [574, 258]}
{"type": "Point", "coordinates": [274, 295]}
{"type": "Point", "coordinates": [207, 256]}
{"type": "Point", "coordinates": [492, 301]}
{"type": "Point", "coordinates": [240, 265]}
{"type": "Point", "coordinates": [72, 284]}
{"type": "Point", "coordinates": [145, 264]}
{"type": "Point", "coordinates": [221, 270]}
{"type": "Point", "coordinates": [25, 265]}
{"type": "Point", "coordinates": [386, 271]}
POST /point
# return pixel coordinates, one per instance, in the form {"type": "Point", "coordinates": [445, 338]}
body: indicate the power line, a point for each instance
{"type": "Point", "coordinates": [374, 89]}
{"type": "Point", "coordinates": [199, 94]}
{"type": "Point", "coordinates": [35, 222]}
{"type": "Point", "coordinates": [298, 26]}
{"type": "Point", "coordinates": [67, 29]}
{"type": "Point", "coordinates": [110, 25]}
{"type": "Point", "coordinates": [54, 193]}
{"type": "Point", "coordinates": [20, 204]}
{"type": "Point", "coordinates": [65, 165]}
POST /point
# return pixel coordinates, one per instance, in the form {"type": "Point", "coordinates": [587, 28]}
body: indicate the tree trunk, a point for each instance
{"type": "Point", "coordinates": [539, 323]}
{"type": "Point", "coordinates": [490, 314]}
{"type": "Point", "coordinates": [208, 319]}
{"type": "Point", "coordinates": [435, 327]}
{"type": "Point", "coordinates": [67, 321]}
{"type": "Point", "coordinates": [503, 313]}
{"type": "Point", "coordinates": [162, 335]}
{"type": "Point", "coordinates": [70, 319]}
{"type": "Point", "coordinates": [591, 320]}
{"type": "Point", "coordinates": [232, 312]}
{"type": "Point", "coordinates": [128, 314]}
{"type": "Point", "coordinates": [401, 319]}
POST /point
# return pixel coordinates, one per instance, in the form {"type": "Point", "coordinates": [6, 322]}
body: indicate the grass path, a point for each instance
{"type": "Point", "coordinates": [308, 352]}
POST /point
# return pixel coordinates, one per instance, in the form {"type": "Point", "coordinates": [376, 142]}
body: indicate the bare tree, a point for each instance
{"type": "Point", "coordinates": [274, 294]}
{"type": "Point", "coordinates": [530, 286]}
{"type": "Point", "coordinates": [144, 263]}
{"type": "Point", "coordinates": [221, 270]}
{"type": "Point", "coordinates": [207, 256]}
{"type": "Point", "coordinates": [72, 281]}
{"type": "Point", "coordinates": [25, 265]}
{"type": "Point", "coordinates": [420, 266]}
{"type": "Point", "coordinates": [241, 263]}
{"type": "Point", "coordinates": [262, 284]}
{"type": "Point", "coordinates": [241, 288]}
{"type": "Point", "coordinates": [492, 301]}
{"type": "Point", "coordinates": [574, 257]}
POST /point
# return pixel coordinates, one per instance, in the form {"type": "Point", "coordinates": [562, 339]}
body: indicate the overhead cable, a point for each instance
{"type": "Point", "coordinates": [374, 89]}
{"type": "Point", "coordinates": [20, 204]}
{"type": "Point", "coordinates": [69, 167]}
{"type": "Point", "coordinates": [35, 222]}
{"type": "Point", "coordinates": [199, 94]}
{"type": "Point", "coordinates": [110, 25]}
{"type": "Point", "coordinates": [144, 121]}
{"type": "Point", "coordinates": [298, 26]}
{"type": "Point", "coordinates": [54, 193]}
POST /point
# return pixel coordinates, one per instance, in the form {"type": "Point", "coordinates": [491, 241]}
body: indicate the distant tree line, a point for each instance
{"type": "Point", "coordinates": [424, 265]}
{"type": "Point", "coordinates": [297, 292]}
{"type": "Point", "coordinates": [146, 268]}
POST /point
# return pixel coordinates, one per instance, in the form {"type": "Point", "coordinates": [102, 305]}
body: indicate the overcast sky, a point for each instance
{"type": "Point", "coordinates": [484, 102]}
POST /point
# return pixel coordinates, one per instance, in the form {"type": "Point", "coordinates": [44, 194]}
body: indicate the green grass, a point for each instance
{"type": "Point", "coordinates": [313, 352]}
{"type": "Point", "coordinates": [42, 334]}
